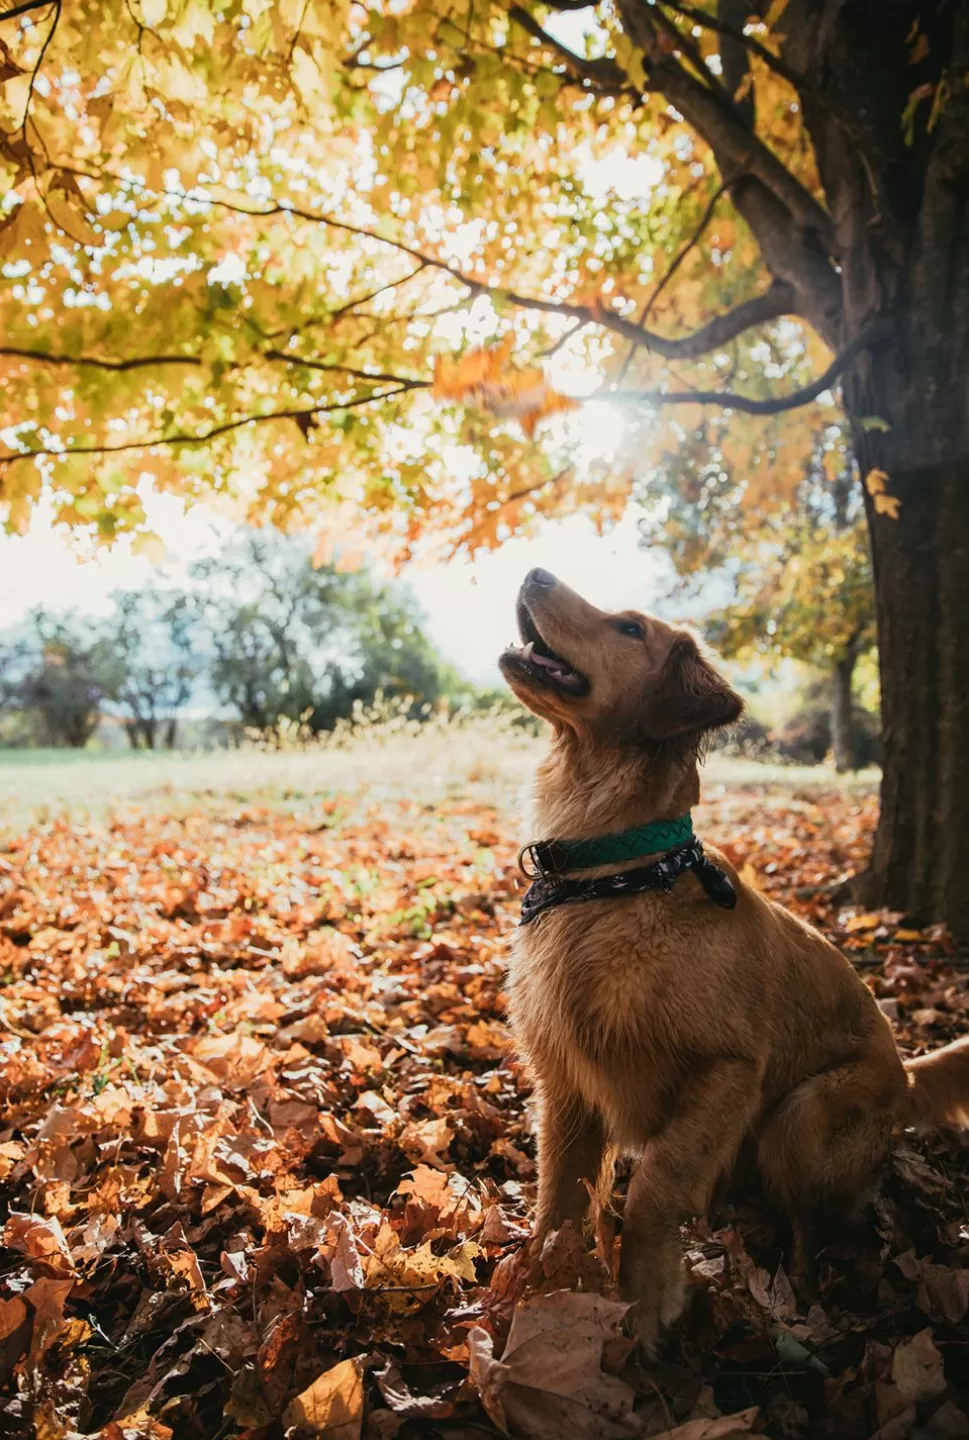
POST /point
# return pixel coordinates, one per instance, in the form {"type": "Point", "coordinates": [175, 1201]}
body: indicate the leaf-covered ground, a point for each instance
{"type": "Point", "coordinates": [266, 1159]}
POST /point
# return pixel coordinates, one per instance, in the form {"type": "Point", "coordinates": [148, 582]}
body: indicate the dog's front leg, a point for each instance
{"type": "Point", "coordinates": [675, 1180]}
{"type": "Point", "coordinates": [571, 1146]}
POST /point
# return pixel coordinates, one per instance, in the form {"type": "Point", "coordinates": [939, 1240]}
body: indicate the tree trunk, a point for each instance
{"type": "Point", "coordinates": [920, 860]}
{"type": "Point", "coordinates": [842, 738]}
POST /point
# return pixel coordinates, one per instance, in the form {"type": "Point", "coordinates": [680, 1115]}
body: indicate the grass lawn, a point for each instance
{"type": "Point", "coordinates": [484, 762]}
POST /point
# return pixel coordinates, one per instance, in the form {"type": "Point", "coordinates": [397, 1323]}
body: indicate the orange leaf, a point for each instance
{"type": "Point", "coordinates": [484, 377]}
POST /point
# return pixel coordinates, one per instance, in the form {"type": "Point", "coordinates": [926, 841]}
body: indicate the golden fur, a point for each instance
{"type": "Point", "coordinates": [662, 1025]}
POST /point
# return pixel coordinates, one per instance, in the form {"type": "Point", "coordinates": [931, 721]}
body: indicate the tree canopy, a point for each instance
{"type": "Point", "coordinates": [238, 236]}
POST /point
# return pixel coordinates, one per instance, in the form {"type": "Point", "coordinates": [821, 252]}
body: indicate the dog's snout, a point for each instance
{"type": "Point", "coordinates": [539, 580]}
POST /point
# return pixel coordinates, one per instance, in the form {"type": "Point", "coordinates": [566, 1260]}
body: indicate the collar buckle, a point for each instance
{"type": "Point", "coordinates": [549, 858]}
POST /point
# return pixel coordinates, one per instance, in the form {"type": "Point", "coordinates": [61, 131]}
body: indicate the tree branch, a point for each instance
{"type": "Point", "coordinates": [736, 148]}
{"type": "Point", "coordinates": [675, 264]}
{"type": "Point", "coordinates": [876, 334]}
{"type": "Point", "coordinates": [779, 300]}
{"type": "Point", "coordinates": [604, 71]}
{"type": "Point", "coordinates": [95, 362]}
{"type": "Point", "coordinates": [731, 32]}
{"type": "Point", "coordinates": [304, 415]}
{"type": "Point", "coordinates": [139, 362]}
{"type": "Point", "coordinates": [23, 9]}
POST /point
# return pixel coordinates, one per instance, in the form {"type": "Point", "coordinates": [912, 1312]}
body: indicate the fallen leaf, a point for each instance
{"type": "Point", "coordinates": [549, 1382]}
{"type": "Point", "coordinates": [719, 1428]}
{"type": "Point", "coordinates": [917, 1368]}
{"type": "Point", "coordinates": [332, 1407]}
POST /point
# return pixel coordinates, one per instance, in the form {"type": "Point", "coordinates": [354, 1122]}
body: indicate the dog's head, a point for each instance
{"type": "Point", "coordinates": [624, 677]}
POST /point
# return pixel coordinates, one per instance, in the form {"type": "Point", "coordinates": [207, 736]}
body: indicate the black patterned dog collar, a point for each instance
{"type": "Point", "coordinates": [549, 891]}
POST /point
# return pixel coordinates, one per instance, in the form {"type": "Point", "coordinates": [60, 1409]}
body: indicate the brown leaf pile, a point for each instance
{"type": "Point", "coordinates": [266, 1163]}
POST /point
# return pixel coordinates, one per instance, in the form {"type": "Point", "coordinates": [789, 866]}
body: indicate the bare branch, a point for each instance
{"type": "Point", "coordinates": [876, 334]}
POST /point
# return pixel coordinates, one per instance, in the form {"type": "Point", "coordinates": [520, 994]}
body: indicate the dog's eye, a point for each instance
{"type": "Point", "coordinates": [632, 628]}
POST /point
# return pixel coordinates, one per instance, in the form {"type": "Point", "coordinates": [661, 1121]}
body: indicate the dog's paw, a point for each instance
{"type": "Point", "coordinates": [659, 1305]}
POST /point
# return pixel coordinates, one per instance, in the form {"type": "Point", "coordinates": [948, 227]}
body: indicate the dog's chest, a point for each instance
{"type": "Point", "coordinates": [589, 998]}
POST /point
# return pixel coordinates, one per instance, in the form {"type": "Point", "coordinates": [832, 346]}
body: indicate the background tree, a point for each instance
{"type": "Point", "coordinates": [241, 298]}
{"type": "Point", "coordinates": [292, 641]}
{"type": "Point", "coordinates": [151, 635]}
{"type": "Point", "coordinates": [789, 583]}
{"type": "Point", "coordinates": [60, 672]}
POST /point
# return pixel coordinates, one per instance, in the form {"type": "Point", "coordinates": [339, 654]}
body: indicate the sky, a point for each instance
{"type": "Point", "coordinates": [469, 606]}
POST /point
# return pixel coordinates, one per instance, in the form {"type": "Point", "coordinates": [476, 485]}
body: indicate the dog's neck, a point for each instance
{"type": "Point", "coordinates": [583, 789]}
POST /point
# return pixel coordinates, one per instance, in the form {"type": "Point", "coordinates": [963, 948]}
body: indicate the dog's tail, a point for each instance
{"type": "Point", "coordinates": [938, 1086]}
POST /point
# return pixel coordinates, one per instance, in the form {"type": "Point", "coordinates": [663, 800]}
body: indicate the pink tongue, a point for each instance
{"type": "Point", "coordinates": [548, 662]}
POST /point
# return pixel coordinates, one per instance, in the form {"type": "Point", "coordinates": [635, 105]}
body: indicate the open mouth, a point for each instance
{"type": "Point", "coordinates": [538, 662]}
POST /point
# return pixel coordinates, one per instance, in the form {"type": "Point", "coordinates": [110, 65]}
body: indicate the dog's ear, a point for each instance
{"type": "Point", "coordinates": [690, 698]}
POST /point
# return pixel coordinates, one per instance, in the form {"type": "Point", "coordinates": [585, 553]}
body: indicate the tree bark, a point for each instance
{"type": "Point", "coordinates": [920, 860]}
{"type": "Point", "coordinates": [842, 738]}
{"type": "Point", "coordinates": [901, 210]}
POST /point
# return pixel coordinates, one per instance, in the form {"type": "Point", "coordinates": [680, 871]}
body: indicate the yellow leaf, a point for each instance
{"type": "Point", "coordinates": [775, 11]}
{"type": "Point", "coordinates": [177, 82]}
{"type": "Point", "coordinates": [876, 481]}
{"type": "Point", "coordinates": [332, 1407]}
{"type": "Point", "coordinates": [154, 11]}
{"type": "Point", "coordinates": [150, 544]}
{"type": "Point", "coordinates": [869, 921]}
{"type": "Point", "coordinates": [306, 74]}
{"type": "Point", "coordinates": [15, 93]}
{"type": "Point", "coordinates": [909, 935]}
{"type": "Point", "coordinates": [888, 505]}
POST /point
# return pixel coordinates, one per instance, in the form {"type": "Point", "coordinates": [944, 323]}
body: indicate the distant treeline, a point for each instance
{"type": "Point", "coordinates": [259, 636]}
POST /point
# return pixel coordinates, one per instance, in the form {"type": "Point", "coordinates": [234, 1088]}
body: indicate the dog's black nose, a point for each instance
{"type": "Point", "coordinates": [540, 580]}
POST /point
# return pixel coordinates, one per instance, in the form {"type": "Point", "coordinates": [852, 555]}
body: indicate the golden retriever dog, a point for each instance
{"type": "Point", "coordinates": [661, 1024]}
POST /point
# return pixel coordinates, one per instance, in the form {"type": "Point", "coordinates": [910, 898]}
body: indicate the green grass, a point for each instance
{"type": "Point", "coordinates": [486, 761]}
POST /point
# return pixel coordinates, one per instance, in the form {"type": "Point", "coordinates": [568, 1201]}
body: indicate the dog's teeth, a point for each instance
{"type": "Point", "coordinates": [527, 649]}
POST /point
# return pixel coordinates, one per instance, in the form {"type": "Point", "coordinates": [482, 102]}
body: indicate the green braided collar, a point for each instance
{"type": "Point", "coordinates": [555, 857]}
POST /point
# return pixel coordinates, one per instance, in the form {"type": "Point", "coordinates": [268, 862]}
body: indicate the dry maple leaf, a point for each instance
{"type": "Point", "coordinates": [549, 1382]}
